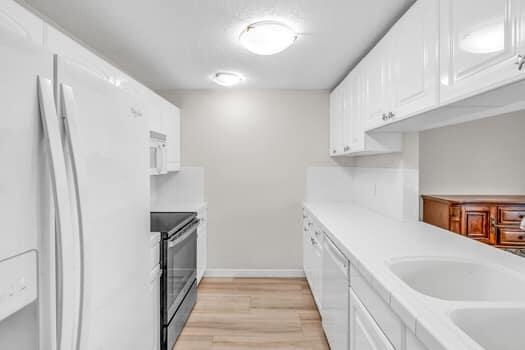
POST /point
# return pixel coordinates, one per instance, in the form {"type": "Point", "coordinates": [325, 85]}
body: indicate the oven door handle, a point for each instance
{"type": "Point", "coordinates": [185, 234]}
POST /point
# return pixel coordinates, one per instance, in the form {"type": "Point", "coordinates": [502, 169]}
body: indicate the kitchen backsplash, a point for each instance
{"type": "Point", "coordinates": [180, 188]}
{"type": "Point", "coordinates": [390, 191]}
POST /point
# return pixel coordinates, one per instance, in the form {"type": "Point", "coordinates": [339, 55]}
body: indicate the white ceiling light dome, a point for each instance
{"type": "Point", "coordinates": [267, 37]}
{"type": "Point", "coordinates": [227, 78]}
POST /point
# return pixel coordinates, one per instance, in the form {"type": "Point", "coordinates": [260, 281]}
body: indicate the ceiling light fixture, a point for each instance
{"type": "Point", "coordinates": [227, 78]}
{"type": "Point", "coordinates": [267, 37]}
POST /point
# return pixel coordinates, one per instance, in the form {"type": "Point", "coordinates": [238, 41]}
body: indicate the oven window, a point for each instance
{"type": "Point", "coordinates": [181, 268]}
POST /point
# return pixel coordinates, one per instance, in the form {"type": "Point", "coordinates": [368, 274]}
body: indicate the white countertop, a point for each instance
{"type": "Point", "coordinates": [369, 240]}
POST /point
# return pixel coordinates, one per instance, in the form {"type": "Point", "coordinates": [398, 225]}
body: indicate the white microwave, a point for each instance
{"type": "Point", "coordinates": [158, 153]}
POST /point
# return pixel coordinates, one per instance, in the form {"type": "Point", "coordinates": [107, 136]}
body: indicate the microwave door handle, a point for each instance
{"type": "Point", "coordinates": [66, 257]}
{"type": "Point", "coordinates": [159, 156]}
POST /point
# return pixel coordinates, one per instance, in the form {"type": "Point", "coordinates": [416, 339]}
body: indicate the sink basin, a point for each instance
{"type": "Point", "coordinates": [493, 328]}
{"type": "Point", "coordinates": [459, 280]}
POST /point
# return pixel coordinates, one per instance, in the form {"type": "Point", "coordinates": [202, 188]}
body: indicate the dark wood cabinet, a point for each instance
{"type": "Point", "coordinates": [493, 220]}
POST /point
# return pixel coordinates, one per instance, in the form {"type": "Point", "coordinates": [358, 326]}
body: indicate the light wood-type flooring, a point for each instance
{"type": "Point", "coordinates": [253, 313]}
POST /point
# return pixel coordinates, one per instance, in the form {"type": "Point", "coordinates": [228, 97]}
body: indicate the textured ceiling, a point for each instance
{"type": "Point", "coordinates": [179, 44]}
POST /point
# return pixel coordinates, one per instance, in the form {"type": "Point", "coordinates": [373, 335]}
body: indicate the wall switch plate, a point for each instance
{"type": "Point", "coordinates": [18, 283]}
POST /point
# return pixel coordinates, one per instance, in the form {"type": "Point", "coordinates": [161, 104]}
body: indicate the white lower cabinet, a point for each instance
{"type": "Point", "coordinates": [365, 334]}
{"type": "Point", "coordinates": [312, 257]}
{"type": "Point", "coordinates": [202, 244]}
{"type": "Point", "coordinates": [155, 297]}
{"type": "Point", "coordinates": [334, 309]}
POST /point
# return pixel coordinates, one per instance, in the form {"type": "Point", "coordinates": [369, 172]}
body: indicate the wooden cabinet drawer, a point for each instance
{"type": "Point", "coordinates": [510, 215]}
{"type": "Point", "coordinates": [510, 237]}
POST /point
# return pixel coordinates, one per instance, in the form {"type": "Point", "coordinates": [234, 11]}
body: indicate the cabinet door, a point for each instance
{"type": "Point", "coordinates": [365, 334]}
{"type": "Point", "coordinates": [476, 222]}
{"type": "Point", "coordinates": [478, 41]}
{"type": "Point", "coordinates": [20, 21]}
{"type": "Point", "coordinates": [347, 95]}
{"type": "Point", "coordinates": [377, 83]}
{"type": "Point", "coordinates": [171, 127]}
{"type": "Point", "coordinates": [358, 97]}
{"type": "Point", "coordinates": [155, 106]}
{"type": "Point", "coordinates": [336, 121]}
{"type": "Point", "coordinates": [415, 60]}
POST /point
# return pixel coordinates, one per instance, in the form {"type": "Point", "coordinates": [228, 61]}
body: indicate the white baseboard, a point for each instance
{"type": "Point", "coordinates": [253, 273]}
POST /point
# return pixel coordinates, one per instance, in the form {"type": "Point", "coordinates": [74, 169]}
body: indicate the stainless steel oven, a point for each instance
{"type": "Point", "coordinates": [178, 282]}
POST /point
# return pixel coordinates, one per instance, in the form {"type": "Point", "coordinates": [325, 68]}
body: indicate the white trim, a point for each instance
{"type": "Point", "coordinates": [278, 273]}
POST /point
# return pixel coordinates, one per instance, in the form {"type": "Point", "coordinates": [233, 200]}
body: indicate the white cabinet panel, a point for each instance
{"type": "Point", "coordinates": [20, 21]}
{"type": "Point", "coordinates": [386, 319]}
{"type": "Point", "coordinates": [377, 67]}
{"type": "Point", "coordinates": [479, 42]}
{"type": "Point", "coordinates": [336, 121]}
{"type": "Point", "coordinates": [334, 305]}
{"type": "Point", "coordinates": [415, 60]}
{"type": "Point", "coordinates": [312, 256]}
{"type": "Point", "coordinates": [171, 127]}
{"type": "Point", "coordinates": [365, 334]}
{"type": "Point", "coordinates": [154, 289]}
{"type": "Point", "coordinates": [202, 244]}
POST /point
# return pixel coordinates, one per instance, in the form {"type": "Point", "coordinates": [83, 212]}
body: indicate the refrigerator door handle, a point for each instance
{"type": "Point", "coordinates": [67, 285]}
{"type": "Point", "coordinates": [69, 111]}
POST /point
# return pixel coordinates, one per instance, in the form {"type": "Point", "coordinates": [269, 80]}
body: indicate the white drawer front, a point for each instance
{"type": "Point", "coordinates": [365, 334]}
{"type": "Point", "coordinates": [387, 320]}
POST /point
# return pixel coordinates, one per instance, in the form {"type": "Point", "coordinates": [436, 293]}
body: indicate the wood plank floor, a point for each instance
{"type": "Point", "coordinates": [253, 313]}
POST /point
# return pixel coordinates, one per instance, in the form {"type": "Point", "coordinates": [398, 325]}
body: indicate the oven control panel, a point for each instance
{"type": "Point", "coordinates": [18, 283]}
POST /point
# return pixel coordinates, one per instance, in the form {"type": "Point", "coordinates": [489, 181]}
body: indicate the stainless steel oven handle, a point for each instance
{"type": "Point", "coordinates": [185, 234]}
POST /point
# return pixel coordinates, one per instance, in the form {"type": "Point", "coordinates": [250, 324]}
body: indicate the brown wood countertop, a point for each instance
{"type": "Point", "coordinates": [466, 199]}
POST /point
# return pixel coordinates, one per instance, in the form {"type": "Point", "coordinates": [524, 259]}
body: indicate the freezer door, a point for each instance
{"type": "Point", "coordinates": [108, 148]}
{"type": "Point", "coordinates": [26, 216]}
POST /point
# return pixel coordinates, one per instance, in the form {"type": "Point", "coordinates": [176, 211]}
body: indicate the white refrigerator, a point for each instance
{"type": "Point", "coordinates": [74, 192]}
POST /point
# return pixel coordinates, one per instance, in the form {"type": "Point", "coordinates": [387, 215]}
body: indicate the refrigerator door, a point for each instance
{"type": "Point", "coordinates": [108, 145]}
{"type": "Point", "coordinates": [26, 215]}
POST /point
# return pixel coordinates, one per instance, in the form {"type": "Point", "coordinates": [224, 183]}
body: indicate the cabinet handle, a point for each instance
{"type": "Point", "coordinates": [347, 148]}
{"type": "Point", "coordinates": [520, 62]}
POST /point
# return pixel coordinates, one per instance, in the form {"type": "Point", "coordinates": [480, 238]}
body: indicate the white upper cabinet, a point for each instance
{"type": "Point", "coordinates": [171, 127]}
{"type": "Point", "coordinates": [336, 121]}
{"type": "Point", "coordinates": [480, 44]}
{"type": "Point", "coordinates": [377, 83]}
{"type": "Point", "coordinates": [17, 19]}
{"type": "Point", "coordinates": [415, 61]}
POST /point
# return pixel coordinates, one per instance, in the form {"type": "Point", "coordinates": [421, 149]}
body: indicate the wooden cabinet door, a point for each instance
{"type": "Point", "coordinates": [415, 60]}
{"type": "Point", "coordinates": [476, 222]}
{"type": "Point", "coordinates": [478, 41]}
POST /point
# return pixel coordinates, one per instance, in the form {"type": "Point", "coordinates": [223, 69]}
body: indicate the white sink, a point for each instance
{"type": "Point", "coordinates": [459, 280]}
{"type": "Point", "coordinates": [493, 328]}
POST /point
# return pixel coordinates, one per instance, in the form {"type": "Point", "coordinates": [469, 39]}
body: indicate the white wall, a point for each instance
{"type": "Point", "coordinates": [481, 157]}
{"type": "Point", "coordinates": [255, 147]}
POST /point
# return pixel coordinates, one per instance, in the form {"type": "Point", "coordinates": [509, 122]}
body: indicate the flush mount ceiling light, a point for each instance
{"type": "Point", "coordinates": [227, 78]}
{"type": "Point", "coordinates": [267, 37]}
